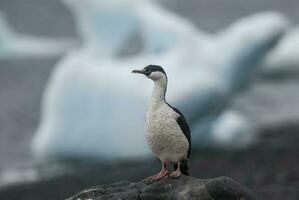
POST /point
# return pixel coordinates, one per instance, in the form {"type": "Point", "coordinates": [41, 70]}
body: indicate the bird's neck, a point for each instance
{"type": "Point", "coordinates": [159, 91]}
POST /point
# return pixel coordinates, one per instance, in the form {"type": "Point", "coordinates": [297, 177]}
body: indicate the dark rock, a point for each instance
{"type": "Point", "coordinates": [186, 187]}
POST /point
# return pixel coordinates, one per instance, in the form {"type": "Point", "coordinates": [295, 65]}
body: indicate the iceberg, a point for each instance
{"type": "Point", "coordinates": [13, 44]}
{"type": "Point", "coordinates": [284, 58]}
{"type": "Point", "coordinates": [231, 130]}
{"type": "Point", "coordinates": [108, 27]}
{"type": "Point", "coordinates": [94, 107]}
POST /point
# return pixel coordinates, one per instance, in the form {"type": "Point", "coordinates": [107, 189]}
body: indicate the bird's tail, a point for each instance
{"type": "Point", "coordinates": [183, 167]}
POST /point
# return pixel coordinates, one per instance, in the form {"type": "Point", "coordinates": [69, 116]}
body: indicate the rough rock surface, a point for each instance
{"type": "Point", "coordinates": [221, 188]}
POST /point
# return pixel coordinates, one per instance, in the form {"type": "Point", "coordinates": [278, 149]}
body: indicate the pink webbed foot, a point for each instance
{"type": "Point", "coordinates": [160, 175]}
{"type": "Point", "coordinates": [176, 174]}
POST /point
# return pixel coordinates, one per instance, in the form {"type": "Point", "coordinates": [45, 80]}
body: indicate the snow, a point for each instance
{"type": "Point", "coordinates": [13, 176]}
{"type": "Point", "coordinates": [94, 107]}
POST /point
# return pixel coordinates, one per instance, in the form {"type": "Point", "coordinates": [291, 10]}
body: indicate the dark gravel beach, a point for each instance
{"type": "Point", "coordinates": [270, 171]}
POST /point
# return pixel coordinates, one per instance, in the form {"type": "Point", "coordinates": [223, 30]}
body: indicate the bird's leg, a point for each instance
{"type": "Point", "coordinates": [163, 172]}
{"type": "Point", "coordinates": [177, 173]}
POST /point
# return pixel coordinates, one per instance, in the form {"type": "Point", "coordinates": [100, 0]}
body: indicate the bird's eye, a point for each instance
{"type": "Point", "coordinates": [148, 72]}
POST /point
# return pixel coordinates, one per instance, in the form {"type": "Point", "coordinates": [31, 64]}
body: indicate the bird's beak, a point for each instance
{"type": "Point", "coordinates": [139, 71]}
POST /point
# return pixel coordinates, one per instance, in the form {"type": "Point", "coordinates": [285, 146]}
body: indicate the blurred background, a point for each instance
{"type": "Point", "coordinates": [72, 114]}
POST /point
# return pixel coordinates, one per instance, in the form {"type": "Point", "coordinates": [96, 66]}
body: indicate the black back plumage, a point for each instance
{"type": "Point", "coordinates": [182, 122]}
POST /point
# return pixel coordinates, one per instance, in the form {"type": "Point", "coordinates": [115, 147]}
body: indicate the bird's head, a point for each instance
{"type": "Point", "coordinates": [153, 72]}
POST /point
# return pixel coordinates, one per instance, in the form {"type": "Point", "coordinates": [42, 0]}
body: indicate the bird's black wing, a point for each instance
{"type": "Point", "coordinates": [182, 122]}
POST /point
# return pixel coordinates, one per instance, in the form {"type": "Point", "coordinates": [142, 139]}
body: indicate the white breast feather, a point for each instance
{"type": "Point", "coordinates": [164, 135]}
